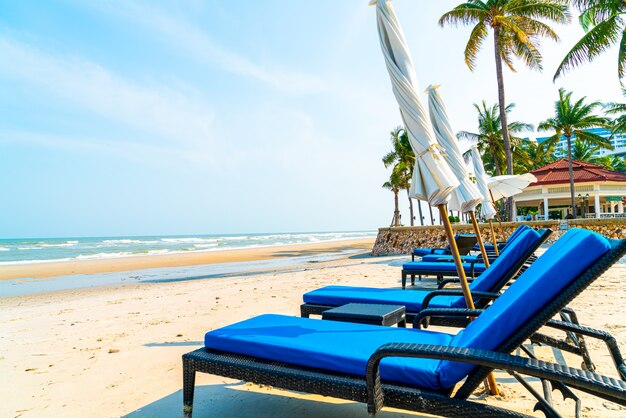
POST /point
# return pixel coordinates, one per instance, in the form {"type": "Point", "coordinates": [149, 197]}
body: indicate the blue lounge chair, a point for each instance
{"type": "Point", "coordinates": [447, 257]}
{"type": "Point", "coordinates": [464, 243]}
{"type": "Point", "coordinates": [441, 269]}
{"type": "Point", "coordinates": [484, 287]}
{"type": "Point", "coordinates": [417, 369]}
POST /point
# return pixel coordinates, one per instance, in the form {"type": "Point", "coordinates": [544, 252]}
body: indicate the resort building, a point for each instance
{"type": "Point", "coordinates": [618, 140]}
{"type": "Point", "coordinates": [599, 192]}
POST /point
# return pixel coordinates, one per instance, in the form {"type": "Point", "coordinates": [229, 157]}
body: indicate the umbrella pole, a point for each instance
{"type": "Point", "coordinates": [493, 236]}
{"type": "Point", "coordinates": [467, 295]}
{"type": "Point", "coordinates": [479, 238]}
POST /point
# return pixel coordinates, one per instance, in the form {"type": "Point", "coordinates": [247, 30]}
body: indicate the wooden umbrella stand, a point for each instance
{"type": "Point", "coordinates": [494, 239]}
{"type": "Point", "coordinates": [479, 238]}
{"type": "Point", "coordinates": [467, 295]}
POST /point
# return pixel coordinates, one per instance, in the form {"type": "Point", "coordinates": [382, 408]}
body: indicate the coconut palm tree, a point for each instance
{"type": "Point", "coordinates": [611, 162]}
{"type": "Point", "coordinates": [397, 181]}
{"type": "Point", "coordinates": [611, 109]}
{"type": "Point", "coordinates": [573, 119]}
{"type": "Point", "coordinates": [603, 21]}
{"type": "Point", "coordinates": [490, 138]}
{"type": "Point", "coordinates": [516, 34]}
{"type": "Point", "coordinates": [537, 154]}
{"type": "Point", "coordinates": [584, 151]}
{"type": "Point", "coordinates": [402, 153]}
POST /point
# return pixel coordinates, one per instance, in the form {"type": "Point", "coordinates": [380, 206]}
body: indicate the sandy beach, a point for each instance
{"type": "Point", "coordinates": [116, 351]}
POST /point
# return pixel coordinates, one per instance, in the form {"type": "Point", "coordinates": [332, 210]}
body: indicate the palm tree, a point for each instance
{"type": "Point", "coordinates": [612, 162]}
{"type": "Point", "coordinates": [516, 34]}
{"type": "Point", "coordinates": [584, 151]}
{"type": "Point", "coordinates": [603, 21]}
{"type": "Point", "coordinates": [573, 120]}
{"type": "Point", "coordinates": [619, 123]}
{"type": "Point", "coordinates": [397, 181]}
{"type": "Point", "coordinates": [402, 153]}
{"type": "Point", "coordinates": [490, 137]}
{"type": "Point", "coordinates": [537, 154]}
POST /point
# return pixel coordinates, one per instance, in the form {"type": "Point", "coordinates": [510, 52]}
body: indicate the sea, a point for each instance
{"type": "Point", "coordinates": [38, 250]}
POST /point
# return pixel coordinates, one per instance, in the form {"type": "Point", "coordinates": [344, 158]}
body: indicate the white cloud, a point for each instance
{"type": "Point", "coordinates": [169, 118]}
{"type": "Point", "coordinates": [184, 35]}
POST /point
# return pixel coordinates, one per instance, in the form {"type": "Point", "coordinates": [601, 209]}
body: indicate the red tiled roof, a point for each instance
{"type": "Point", "coordinates": [558, 173]}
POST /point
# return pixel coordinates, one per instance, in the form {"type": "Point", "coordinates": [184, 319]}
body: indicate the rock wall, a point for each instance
{"type": "Point", "coordinates": [402, 240]}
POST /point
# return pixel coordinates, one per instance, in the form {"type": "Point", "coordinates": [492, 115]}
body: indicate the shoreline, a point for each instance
{"type": "Point", "coordinates": [41, 270]}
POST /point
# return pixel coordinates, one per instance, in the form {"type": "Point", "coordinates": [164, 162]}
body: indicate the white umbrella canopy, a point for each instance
{"type": "Point", "coordinates": [509, 185]}
{"type": "Point", "coordinates": [466, 197]}
{"type": "Point", "coordinates": [487, 210]}
{"type": "Point", "coordinates": [433, 180]}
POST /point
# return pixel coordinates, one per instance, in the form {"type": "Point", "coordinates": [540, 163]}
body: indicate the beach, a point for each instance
{"type": "Point", "coordinates": [116, 350]}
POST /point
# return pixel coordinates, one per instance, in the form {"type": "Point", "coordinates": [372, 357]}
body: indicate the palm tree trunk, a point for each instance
{"type": "Point", "coordinates": [502, 105]}
{"type": "Point", "coordinates": [410, 205]}
{"type": "Point", "coordinates": [396, 212]}
{"type": "Point", "coordinates": [571, 175]}
{"type": "Point", "coordinates": [419, 208]}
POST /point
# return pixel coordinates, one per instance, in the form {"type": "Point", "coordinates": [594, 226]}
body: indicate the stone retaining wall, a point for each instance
{"type": "Point", "coordinates": [402, 240]}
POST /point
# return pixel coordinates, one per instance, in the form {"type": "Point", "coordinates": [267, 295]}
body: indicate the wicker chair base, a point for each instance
{"type": "Point", "coordinates": [321, 382]}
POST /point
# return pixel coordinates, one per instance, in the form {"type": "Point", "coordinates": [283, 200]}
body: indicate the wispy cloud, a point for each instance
{"type": "Point", "coordinates": [184, 35]}
{"type": "Point", "coordinates": [169, 118]}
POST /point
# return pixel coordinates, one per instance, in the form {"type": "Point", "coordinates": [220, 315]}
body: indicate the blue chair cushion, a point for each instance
{"type": "Point", "coordinates": [436, 267]}
{"type": "Point", "coordinates": [329, 345]}
{"type": "Point", "coordinates": [448, 258]}
{"type": "Point", "coordinates": [430, 251]}
{"type": "Point", "coordinates": [511, 237]}
{"type": "Point", "coordinates": [574, 253]}
{"type": "Point", "coordinates": [342, 295]}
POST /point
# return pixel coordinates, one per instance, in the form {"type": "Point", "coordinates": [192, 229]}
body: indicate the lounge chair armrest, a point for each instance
{"type": "Point", "coordinates": [456, 292]}
{"type": "Point", "coordinates": [608, 339]}
{"type": "Point", "coordinates": [446, 282]}
{"type": "Point", "coordinates": [604, 387]}
{"type": "Point", "coordinates": [427, 313]}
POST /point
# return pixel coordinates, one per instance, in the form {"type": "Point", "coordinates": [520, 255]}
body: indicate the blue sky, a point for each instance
{"type": "Point", "coordinates": [164, 117]}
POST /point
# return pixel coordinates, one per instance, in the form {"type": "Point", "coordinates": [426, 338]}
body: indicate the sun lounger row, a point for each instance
{"type": "Point", "coordinates": [418, 369]}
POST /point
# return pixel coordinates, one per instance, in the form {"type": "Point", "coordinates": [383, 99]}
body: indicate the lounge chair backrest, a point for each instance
{"type": "Point", "coordinates": [514, 235]}
{"type": "Point", "coordinates": [502, 265]}
{"type": "Point", "coordinates": [544, 281]}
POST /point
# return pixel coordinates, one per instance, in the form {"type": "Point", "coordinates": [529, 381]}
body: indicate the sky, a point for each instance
{"type": "Point", "coordinates": [123, 117]}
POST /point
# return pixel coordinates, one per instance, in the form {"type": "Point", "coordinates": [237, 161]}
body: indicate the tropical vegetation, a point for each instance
{"type": "Point", "coordinates": [517, 28]}
{"type": "Point", "coordinates": [490, 137]}
{"type": "Point", "coordinates": [574, 119]}
{"type": "Point", "coordinates": [402, 161]}
{"type": "Point", "coordinates": [604, 25]}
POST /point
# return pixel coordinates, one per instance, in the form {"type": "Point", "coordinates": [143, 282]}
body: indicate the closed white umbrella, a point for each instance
{"type": "Point", "coordinates": [466, 197]}
{"type": "Point", "coordinates": [487, 209]}
{"type": "Point", "coordinates": [509, 185]}
{"type": "Point", "coordinates": [433, 179]}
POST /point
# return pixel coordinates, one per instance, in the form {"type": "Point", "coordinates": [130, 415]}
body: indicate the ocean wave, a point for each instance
{"type": "Point", "coordinates": [29, 248]}
{"type": "Point", "coordinates": [189, 240]}
{"type": "Point", "coordinates": [63, 244]}
{"type": "Point", "coordinates": [125, 241]}
{"type": "Point", "coordinates": [5, 249]}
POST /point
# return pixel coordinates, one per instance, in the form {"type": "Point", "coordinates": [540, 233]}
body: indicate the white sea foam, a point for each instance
{"type": "Point", "coordinates": [98, 248]}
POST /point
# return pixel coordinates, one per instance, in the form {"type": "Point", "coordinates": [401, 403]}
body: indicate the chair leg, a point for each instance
{"type": "Point", "coordinates": [403, 279]}
{"type": "Point", "coordinates": [304, 313]}
{"type": "Point", "coordinates": [412, 279]}
{"type": "Point", "coordinates": [189, 381]}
